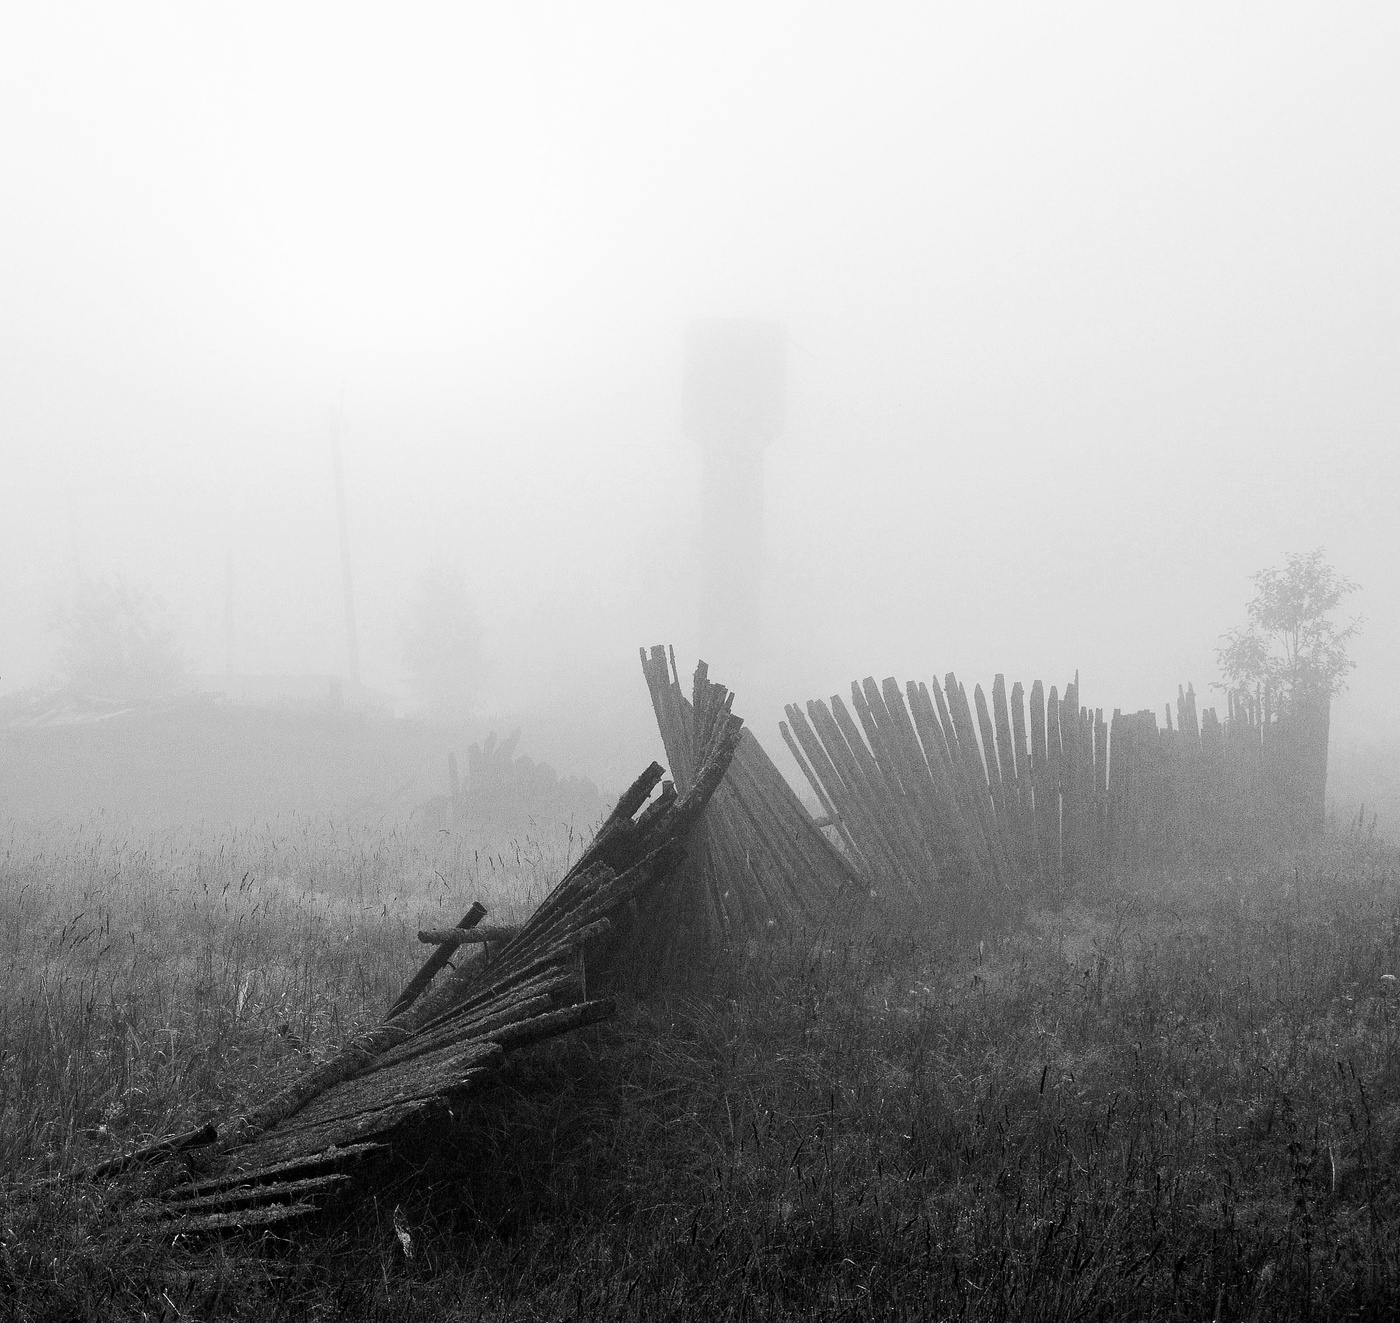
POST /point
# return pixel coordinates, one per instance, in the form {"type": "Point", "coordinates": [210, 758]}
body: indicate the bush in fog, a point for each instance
{"type": "Point", "coordinates": [442, 643]}
{"type": "Point", "coordinates": [116, 641]}
{"type": "Point", "coordinates": [1291, 646]}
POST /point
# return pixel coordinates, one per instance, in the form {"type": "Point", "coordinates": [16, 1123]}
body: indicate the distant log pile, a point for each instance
{"type": "Point", "coordinates": [499, 777]}
{"type": "Point", "coordinates": [1025, 798]}
{"type": "Point", "coordinates": [629, 911]}
{"type": "Point", "coordinates": [501, 785]}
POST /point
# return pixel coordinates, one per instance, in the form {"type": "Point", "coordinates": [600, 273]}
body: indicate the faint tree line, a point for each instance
{"type": "Point", "coordinates": [116, 641]}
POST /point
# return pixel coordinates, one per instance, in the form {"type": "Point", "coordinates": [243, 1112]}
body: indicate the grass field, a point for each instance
{"type": "Point", "coordinates": [1173, 1098]}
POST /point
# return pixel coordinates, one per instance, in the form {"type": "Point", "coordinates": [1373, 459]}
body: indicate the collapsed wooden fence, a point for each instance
{"type": "Point", "coordinates": [757, 859]}
{"type": "Point", "coordinates": [1042, 794]}
{"type": "Point", "coordinates": [677, 871]}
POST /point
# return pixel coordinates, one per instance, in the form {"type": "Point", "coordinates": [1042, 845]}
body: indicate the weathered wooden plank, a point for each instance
{"type": "Point", "coordinates": [520, 1005]}
{"type": "Point", "coordinates": [845, 796]}
{"type": "Point", "coordinates": [975, 776]}
{"type": "Point", "coordinates": [294, 1141]}
{"type": "Point", "coordinates": [1040, 785]}
{"type": "Point", "coordinates": [1010, 783]}
{"type": "Point", "coordinates": [864, 794]}
{"type": "Point", "coordinates": [756, 778]}
{"type": "Point", "coordinates": [430, 1076]}
{"type": "Point", "coordinates": [969, 845]}
{"type": "Point", "coordinates": [1053, 781]}
{"type": "Point", "coordinates": [932, 794]}
{"type": "Point", "coordinates": [247, 1196]}
{"type": "Point", "coordinates": [239, 1173]}
{"type": "Point", "coordinates": [831, 817]}
{"type": "Point", "coordinates": [1069, 785]}
{"type": "Point", "coordinates": [200, 1137]}
{"type": "Point", "coordinates": [1025, 786]}
{"type": "Point", "coordinates": [895, 803]}
{"type": "Point", "coordinates": [243, 1220]}
{"type": "Point", "coordinates": [1000, 807]}
{"type": "Point", "coordinates": [1100, 791]}
{"type": "Point", "coordinates": [900, 780]}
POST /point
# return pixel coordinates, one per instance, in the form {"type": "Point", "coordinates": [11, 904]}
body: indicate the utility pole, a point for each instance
{"type": "Point", "coordinates": [352, 641]}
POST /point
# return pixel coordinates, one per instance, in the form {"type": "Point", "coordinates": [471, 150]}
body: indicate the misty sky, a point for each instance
{"type": "Point", "coordinates": [1093, 310]}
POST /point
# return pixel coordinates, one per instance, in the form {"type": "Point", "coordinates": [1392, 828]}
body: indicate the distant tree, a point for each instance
{"type": "Point", "coordinates": [116, 641]}
{"type": "Point", "coordinates": [1291, 648]}
{"type": "Point", "coordinates": [442, 643]}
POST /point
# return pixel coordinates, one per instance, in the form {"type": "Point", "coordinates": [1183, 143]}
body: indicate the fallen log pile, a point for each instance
{"type": "Point", "coordinates": [634, 907]}
{"type": "Point", "coordinates": [443, 1037]}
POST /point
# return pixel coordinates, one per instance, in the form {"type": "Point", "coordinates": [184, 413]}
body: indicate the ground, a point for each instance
{"type": "Point", "coordinates": [1165, 1096]}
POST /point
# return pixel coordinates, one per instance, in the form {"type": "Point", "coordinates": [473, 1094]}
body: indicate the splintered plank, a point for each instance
{"type": "Point", "coordinates": [1053, 776]}
{"type": "Point", "coordinates": [883, 795]}
{"type": "Point", "coordinates": [249, 1196]}
{"type": "Point", "coordinates": [1000, 807]}
{"type": "Point", "coordinates": [290, 1142]}
{"type": "Point", "coordinates": [1025, 788]}
{"type": "Point", "coordinates": [242, 1220]}
{"type": "Point", "coordinates": [427, 1077]}
{"type": "Point", "coordinates": [932, 793]}
{"type": "Point", "coordinates": [898, 775]}
{"type": "Point", "coordinates": [336, 1157]}
{"type": "Point", "coordinates": [842, 788]}
{"type": "Point", "coordinates": [940, 742]}
{"type": "Point", "coordinates": [1040, 783]}
{"type": "Point", "coordinates": [829, 810]}
{"type": "Point", "coordinates": [865, 793]}
{"type": "Point", "coordinates": [1007, 762]}
{"type": "Point", "coordinates": [975, 766]}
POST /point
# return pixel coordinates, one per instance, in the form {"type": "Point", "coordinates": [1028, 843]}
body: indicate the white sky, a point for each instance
{"type": "Point", "coordinates": [1095, 312]}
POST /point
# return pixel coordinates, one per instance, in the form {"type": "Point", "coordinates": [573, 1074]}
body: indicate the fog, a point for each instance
{"type": "Point", "coordinates": [1092, 311]}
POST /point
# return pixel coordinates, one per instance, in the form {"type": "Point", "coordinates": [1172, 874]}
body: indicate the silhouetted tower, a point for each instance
{"type": "Point", "coordinates": [733, 399]}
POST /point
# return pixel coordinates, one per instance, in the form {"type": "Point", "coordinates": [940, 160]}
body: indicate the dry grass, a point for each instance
{"type": "Point", "coordinates": [1170, 1099]}
{"type": "Point", "coordinates": [151, 983]}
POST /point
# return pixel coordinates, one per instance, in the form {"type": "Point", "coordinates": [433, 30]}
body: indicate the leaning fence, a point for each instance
{"type": "Point", "coordinates": [1039, 790]}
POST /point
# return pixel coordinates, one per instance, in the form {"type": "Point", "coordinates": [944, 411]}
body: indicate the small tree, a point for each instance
{"type": "Point", "coordinates": [442, 643]}
{"type": "Point", "coordinates": [116, 641]}
{"type": "Point", "coordinates": [1291, 649]}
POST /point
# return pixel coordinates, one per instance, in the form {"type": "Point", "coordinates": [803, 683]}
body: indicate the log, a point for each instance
{"type": "Point", "coordinates": [200, 1137]}
{"type": "Point", "coordinates": [465, 936]}
{"type": "Point", "coordinates": [434, 964]}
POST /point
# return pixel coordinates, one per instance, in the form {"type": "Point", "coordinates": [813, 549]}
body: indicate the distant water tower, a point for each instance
{"type": "Point", "coordinates": [733, 405]}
